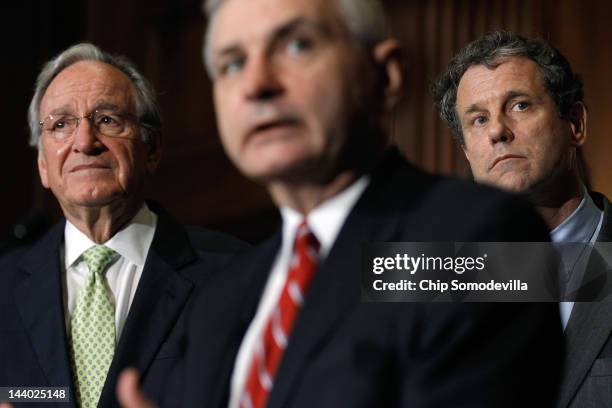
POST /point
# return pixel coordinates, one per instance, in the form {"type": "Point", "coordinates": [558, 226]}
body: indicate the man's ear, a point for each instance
{"type": "Point", "coordinates": [578, 123]}
{"type": "Point", "coordinates": [388, 56]}
{"type": "Point", "coordinates": [154, 152]}
{"type": "Point", "coordinates": [42, 168]}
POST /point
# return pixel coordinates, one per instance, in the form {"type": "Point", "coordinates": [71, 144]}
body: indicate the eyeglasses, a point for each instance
{"type": "Point", "coordinates": [107, 123]}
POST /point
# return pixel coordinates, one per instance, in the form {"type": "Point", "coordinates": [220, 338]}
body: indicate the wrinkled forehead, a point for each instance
{"type": "Point", "coordinates": [506, 69]}
{"type": "Point", "coordinates": [514, 75]}
{"type": "Point", "coordinates": [240, 22]}
{"type": "Point", "coordinates": [85, 84]}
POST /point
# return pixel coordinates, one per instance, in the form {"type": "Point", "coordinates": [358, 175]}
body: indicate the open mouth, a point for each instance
{"type": "Point", "coordinates": [268, 131]}
{"type": "Point", "coordinates": [282, 123]}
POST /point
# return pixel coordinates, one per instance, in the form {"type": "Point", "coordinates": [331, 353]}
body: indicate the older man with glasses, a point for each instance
{"type": "Point", "coordinates": [108, 287]}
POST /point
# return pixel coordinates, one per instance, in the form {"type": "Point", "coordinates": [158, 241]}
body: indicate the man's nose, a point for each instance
{"type": "Point", "coordinates": [499, 130]}
{"type": "Point", "coordinates": [262, 80]}
{"type": "Point", "coordinates": [85, 138]}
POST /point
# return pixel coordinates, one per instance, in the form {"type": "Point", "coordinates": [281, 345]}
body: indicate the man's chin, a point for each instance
{"type": "Point", "coordinates": [516, 185]}
{"type": "Point", "coordinates": [94, 201]}
{"type": "Point", "coordinates": [279, 170]}
{"type": "Point", "coordinates": [518, 188]}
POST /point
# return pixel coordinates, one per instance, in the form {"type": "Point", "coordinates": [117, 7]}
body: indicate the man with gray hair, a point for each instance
{"type": "Point", "coordinates": [517, 110]}
{"type": "Point", "coordinates": [108, 286]}
{"type": "Point", "coordinates": [303, 90]}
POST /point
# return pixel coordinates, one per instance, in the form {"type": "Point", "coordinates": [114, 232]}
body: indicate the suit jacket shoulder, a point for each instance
{"type": "Point", "coordinates": [587, 377]}
{"type": "Point", "coordinates": [33, 341]}
{"type": "Point", "coordinates": [435, 208]}
{"type": "Point", "coordinates": [179, 245]}
{"type": "Point", "coordinates": [343, 352]}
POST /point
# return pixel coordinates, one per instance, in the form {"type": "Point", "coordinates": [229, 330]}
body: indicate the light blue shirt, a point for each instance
{"type": "Point", "coordinates": [582, 226]}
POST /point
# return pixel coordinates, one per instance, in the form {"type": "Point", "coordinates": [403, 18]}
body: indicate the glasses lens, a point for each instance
{"type": "Point", "coordinates": [109, 123]}
{"type": "Point", "coordinates": [60, 125]}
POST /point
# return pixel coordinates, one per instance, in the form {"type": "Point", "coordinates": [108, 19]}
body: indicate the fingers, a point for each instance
{"type": "Point", "coordinates": [129, 393]}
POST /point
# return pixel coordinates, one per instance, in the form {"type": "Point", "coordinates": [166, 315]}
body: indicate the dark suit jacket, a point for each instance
{"type": "Point", "coordinates": [33, 342]}
{"type": "Point", "coordinates": [345, 353]}
{"type": "Point", "coordinates": [587, 377]}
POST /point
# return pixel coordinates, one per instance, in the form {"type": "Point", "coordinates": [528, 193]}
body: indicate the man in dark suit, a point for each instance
{"type": "Point", "coordinates": [302, 91]}
{"type": "Point", "coordinates": [517, 109]}
{"type": "Point", "coordinates": [107, 287]}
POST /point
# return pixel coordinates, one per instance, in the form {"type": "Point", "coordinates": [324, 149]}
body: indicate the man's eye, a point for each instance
{"type": "Point", "coordinates": [59, 125]}
{"type": "Point", "coordinates": [479, 120]}
{"type": "Point", "coordinates": [107, 120]}
{"type": "Point", "coordinates": [231, 66]}
{"type": "Point", "coordinates": [520, 106]}
{"type": "Point", "coordinates": [299, 45]}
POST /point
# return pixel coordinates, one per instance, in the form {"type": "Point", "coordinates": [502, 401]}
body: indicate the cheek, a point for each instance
{"type": "Point", "coordinates": [327, 104]}
{"type": "Point", "coordinates": [477, 156]}
{"type": "Point", "coordinates": [130, 163]}
{"type": "Point", "coordinates": [55, 158]}
{"type": "Point", "coordinates": [325, 109]}
{"type": "Point", "coordinates": [548, 143]}
{"type": "Point", "coordinates": [227, 116]}
{"type": "Point", "coordinates": [62, 150]}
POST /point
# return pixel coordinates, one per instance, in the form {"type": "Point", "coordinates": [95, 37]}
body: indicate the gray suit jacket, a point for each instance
{"type": "Point", "coordinates": [587, 376]}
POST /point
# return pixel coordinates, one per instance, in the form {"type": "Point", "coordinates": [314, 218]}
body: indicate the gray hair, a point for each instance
{"type": "Point", "coordinates": [364, 19]}
{"type": "Point", "coordinates": [564, 86]}
{"type": "Point", "coordinates": [147, 108]}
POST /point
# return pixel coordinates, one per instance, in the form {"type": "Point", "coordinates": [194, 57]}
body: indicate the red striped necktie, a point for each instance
{"type": "Point", "coordinates": [271, 345]}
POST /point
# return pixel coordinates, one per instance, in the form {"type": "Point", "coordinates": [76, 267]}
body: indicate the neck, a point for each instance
{"type": "Point", "coordinates": [316, 182]}
{"type": "Point", "coordinates": [554, 216]}
{"type": "Point", "coordinates": [101, 223]}
{"type": "Point", "coordinates": [556, 204]}
{"type": "Point", "coordinates": [305, 196]}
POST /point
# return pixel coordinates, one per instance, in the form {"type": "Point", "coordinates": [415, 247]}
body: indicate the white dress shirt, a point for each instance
{"type": "Point", "coordinates": [582, 226]}
{"type": "Point", "coordinates": [132, 244]}
{"type": "Point", "coordinates": [325, 222]}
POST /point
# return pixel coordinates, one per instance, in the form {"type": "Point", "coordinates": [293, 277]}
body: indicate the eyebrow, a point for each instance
{"type": "Point", "coordinates": [100, 105]}
{"type": "Point", "coordinates": [281, 32]}
{"type": "Point", "coordinates": [476, 107]}
{"type": "Point", "coordinates": [298, 23]}
{"type": "Point", "coordinates": [103, 105]}
{"type": "Point", "coordinates": [62, 110]}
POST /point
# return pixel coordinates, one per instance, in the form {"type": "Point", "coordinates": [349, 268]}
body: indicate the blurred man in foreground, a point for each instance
{"type": "Point", "coordinates": [302, 90]}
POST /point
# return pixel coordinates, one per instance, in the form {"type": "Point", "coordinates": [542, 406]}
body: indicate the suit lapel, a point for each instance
{"type": "Point", "coordinates": [251, 278]}
{"type": "Point", "coordinates": [605, 235]}
{"type": "Point", "coordinates": [159, 299]}
{"type": "Point", "coordinates": [587, 331]}
{"type": "Point", "coordinates": [590, 325]}
{"type": "Point", "coordinates": [40, 302]}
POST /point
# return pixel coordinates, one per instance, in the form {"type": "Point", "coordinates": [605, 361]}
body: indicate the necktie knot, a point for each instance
{"type": "Point", "coordinates": [306, 242]}
{"type": "Point", "coordinates": [98, 258]}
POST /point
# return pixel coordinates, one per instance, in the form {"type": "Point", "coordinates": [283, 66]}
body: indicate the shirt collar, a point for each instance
{"type": "Point", "coordinates": [325, 220]}
{"type": "Point", "coordinates": [581, 225]}
{"type": "Point", "coordinates": [132, 242]}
